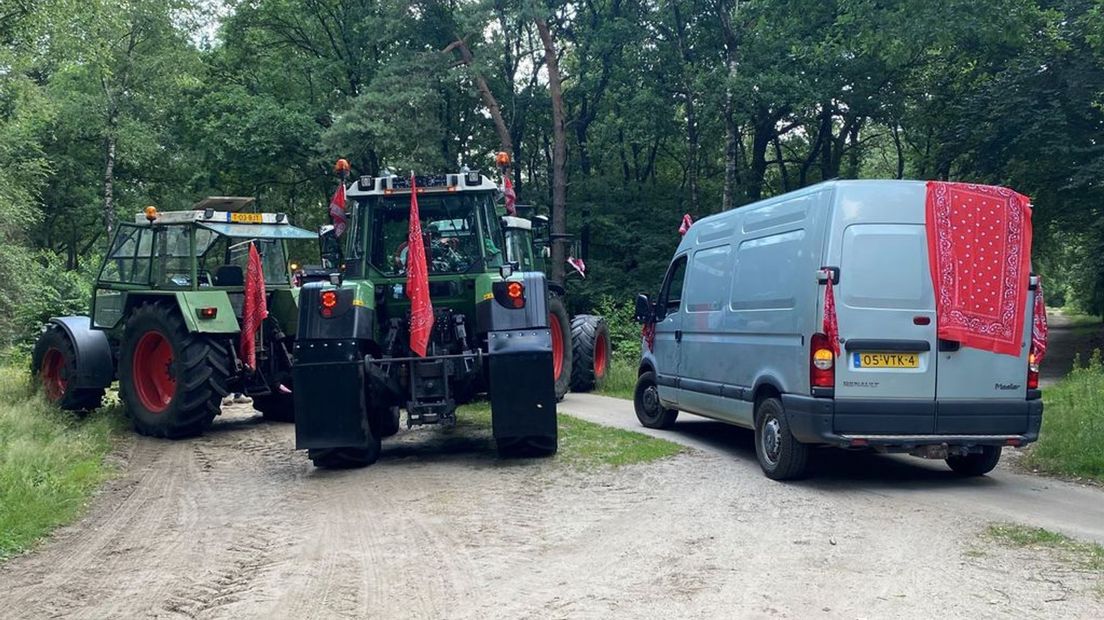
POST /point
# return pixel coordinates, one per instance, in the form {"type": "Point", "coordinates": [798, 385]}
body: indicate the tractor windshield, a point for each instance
{"type": "Point", "coordinates": [221, 260]}
{"type": "Point", "coordinates": [458, 231]}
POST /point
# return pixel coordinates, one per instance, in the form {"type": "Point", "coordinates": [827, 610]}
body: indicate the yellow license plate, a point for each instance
{"type": "Point", "coordinates": [886, 360]}
{"type": "Point", "coordinates": [247, 218]}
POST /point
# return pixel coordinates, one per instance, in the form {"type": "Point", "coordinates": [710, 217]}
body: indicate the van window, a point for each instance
{"type": "Point", "coordinates": [707, 286]}
{"type": "Point", "coordinates": [886, 266]}
{"type": "Point", "coordinates": [671, 296]}
{"type": "Point", "coordinates": [769, 270]}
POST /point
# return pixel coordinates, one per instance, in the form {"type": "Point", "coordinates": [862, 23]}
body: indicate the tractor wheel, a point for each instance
{"type": "Point", "coordinates": [345, 458]}
{"type": "Point", "coordinates": [171, 380]}
{"type": "Point", "coordinates": [53, 364]}
{"type": "Point", "coordinates": [590, 357]}
{"type": "Point", "coordinates": [277, 407]}
{"type": "Point", "coordinates": [387, 424]}
{"type": "Point", "coordinates": [526, 447]}
{"type": "Point", "coordinates": [560, 325]}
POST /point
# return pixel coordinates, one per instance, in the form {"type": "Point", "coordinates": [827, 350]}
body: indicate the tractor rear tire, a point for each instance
{"type": "Point", "coordinates": [590, 357]}
{"type": "Point", "coordinates": [54, 364]}
{"type": "Point", "coordinates": [172, 381]}
{"type": "Point", "coordinates": [526, 447]}
{"type": "Point", "coordinates": [560, 325]}
{"type": "Point", "coordinates": [389, 422]}
{"type": "Point", "coordinates": [345, 458]}
{"type": "Point", "coordinates": [279, 407]}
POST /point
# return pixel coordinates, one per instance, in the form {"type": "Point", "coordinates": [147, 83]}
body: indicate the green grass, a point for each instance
{"type": "Point", "coordinates": [585, 445]}
{"type": "Point", "coordinates": [1083, 555]}
{"type": "Point", "coordinates": [1076, 319]}
{"type": "Point", "coordinates": [1072, 438]}
{"type": "Point", "coordinates": [50, 461]}
{"type": "Point", "coordinates": [621, 380]}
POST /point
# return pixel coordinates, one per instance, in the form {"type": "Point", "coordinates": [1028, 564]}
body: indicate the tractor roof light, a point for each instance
{"type": "Point", "coordinates": [502, 159]}
{"type": "Point", "coordinates": [151, 213]}
{"type": "Point", "coordinates": [342, 166]}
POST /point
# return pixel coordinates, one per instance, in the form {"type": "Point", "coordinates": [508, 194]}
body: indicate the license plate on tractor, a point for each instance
{"type": "Point", "coordinates": [875, 359]}
{"type": "Point", "coordinates": [247, 218]}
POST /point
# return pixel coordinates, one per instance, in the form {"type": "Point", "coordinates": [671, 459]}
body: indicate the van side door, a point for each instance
{"type": "Point", "coordinates": [668, 331]}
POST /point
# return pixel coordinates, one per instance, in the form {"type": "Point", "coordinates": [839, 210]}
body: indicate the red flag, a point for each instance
{"type": "Point", "coordinates": [647, 332]}
{"type": "Point", "coordinates": [578, 265]}
{"type": "Point", "coordinates": [337, 210]}
{"type": "Point", "coordinates": [687, 222]}
{"type": "Point", "coordinates": [417, 279]}
{"type": "Point", "coordinates": [1039, 327]}
{"type": "Point", "coordinates": [511, 197]}
{"type": "Point", "coordinates": [831, 326]}
{"type": "Point", "coordinates": [254, 308]}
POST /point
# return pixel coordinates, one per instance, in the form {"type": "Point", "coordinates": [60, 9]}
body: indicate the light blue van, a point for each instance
{"type": "Point", "coordinates": [737, 336]}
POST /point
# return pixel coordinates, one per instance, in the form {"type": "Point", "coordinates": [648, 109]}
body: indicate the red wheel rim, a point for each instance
{"type": "Point", "coordinates": [600, 359]}
{"type": "Point", "coordinates": [52, 380]}
{"type": "Point", "coordinates": [152, 370]}
{"type": "Point", "coordinates": [557, 346]}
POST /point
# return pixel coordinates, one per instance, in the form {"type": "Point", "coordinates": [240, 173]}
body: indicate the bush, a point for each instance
{"type": "Point", "coordinates": [624, 331]}
{"type": "Point", "coordinates": [1072, 438]}
{"type": "Point", "coordinates": [34, 287]}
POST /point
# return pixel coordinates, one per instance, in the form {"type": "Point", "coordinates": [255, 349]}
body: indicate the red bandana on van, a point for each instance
{"type": "Point", "coordinates": [831, 324]}
{"type": "Point", "coordinates": [1039, 327]}
{"type": "Point", "coordinates": [979, 249]}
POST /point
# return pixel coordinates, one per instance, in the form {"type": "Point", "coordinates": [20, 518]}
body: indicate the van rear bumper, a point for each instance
{"type": "Point", "coordinates": [879, 423]}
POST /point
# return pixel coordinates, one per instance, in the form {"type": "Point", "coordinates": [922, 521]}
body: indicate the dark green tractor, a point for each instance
{"type": "Point", "coordinates": [500, 327]}
{"type": "Point", "coordinates": [165, 321]}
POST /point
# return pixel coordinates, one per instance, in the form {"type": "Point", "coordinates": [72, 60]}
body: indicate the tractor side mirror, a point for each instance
{"type": "Point", "coordinates": [645, 311]}
{"type": "Point", "coordinates": [330, 247]}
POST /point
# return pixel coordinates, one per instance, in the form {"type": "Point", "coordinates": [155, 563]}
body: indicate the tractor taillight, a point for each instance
{"type": "Point", "coordinates": [207, 313]}
{"type": "Point", "coordinates": [509, 294]}
{"type": "Point", "coordinates": [328, 301]}
{"type": "Point", "coordinates": [1032, 372]}
{"type": "Point", "coordinates": [822, 362]}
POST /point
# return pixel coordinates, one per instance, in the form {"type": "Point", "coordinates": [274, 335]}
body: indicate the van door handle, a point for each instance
{"type": "Point", "coordinates": [949, 345]}
{"type": "Point", "coordinates": [678, 335]}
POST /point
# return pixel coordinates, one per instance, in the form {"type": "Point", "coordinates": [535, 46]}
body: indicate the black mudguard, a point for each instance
{"type": "Point", "coordinates": [328, 376]}
{"type": "Point", "coordinates": [95, 363]}
{"type": "Point", "coordinates": [523, 395]}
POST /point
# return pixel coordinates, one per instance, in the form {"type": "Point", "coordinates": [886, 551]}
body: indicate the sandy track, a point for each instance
{"type": "Point", "coordinates": [237, 524]}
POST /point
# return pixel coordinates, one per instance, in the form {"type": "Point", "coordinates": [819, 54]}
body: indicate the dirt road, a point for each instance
{"type": "Point", "coordinates": [236, 524]}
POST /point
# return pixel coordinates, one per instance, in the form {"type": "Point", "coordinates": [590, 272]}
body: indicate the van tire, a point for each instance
{"type": "Point", "coordinates": [650, 412]}
{"type": "Point", "coordinates": [976, 463]}
{"type": "Point", "coordinates": [780, 455]}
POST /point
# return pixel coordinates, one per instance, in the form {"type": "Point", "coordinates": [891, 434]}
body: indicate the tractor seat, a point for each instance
{"type": "Point", "coordinates": [229, 275]}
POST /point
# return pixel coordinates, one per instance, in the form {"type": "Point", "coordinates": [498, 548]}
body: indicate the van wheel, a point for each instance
{"type": "Point", "coordinates": [976, 463]}
{"type": "Point", "coordinates": [649, 410]}
{"type": "Point", "coordinates": [780, 455]}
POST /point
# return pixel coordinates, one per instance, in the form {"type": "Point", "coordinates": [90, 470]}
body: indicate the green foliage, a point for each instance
{"type": "Point", "coordinates": [1086, 556]}
{"type": "Point", "coordinates": [1072, 438]}
{"type": "Point", "coordinates": [50, 462]}
{"type": "Point", "coordinates": [621, 381]}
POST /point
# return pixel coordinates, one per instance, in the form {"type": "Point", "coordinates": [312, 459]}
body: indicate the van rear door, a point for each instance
{"type": "Point", "coordinates": [885, 306]}
{"type": "Point", "coordinates": [981, 392]}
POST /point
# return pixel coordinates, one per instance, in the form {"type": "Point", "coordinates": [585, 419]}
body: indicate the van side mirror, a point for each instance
{"type": "Point", "coordinates": [645, 312]}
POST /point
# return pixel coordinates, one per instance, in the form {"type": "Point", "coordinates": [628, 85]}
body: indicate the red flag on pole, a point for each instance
{"type": "Point", "coordinates": [417, 279]}
{"type": "Point", "coordinates": [687, 222]}
{"type": "Point", "coordinates": [511, 196]}
{"type": "Point", "coordinates": [337, 210]}
{"type": "Point", "coordinates": [831, 326]}
{"type": "Point", "coordinates": [254, 307]}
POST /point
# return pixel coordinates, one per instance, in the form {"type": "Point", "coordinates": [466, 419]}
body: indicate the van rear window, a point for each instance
{"type": "Point", "coordinates": [886, 266]}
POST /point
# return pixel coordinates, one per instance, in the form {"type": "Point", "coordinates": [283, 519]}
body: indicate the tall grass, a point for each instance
{"type": "Point", "coordinates": [1072, 438]}
{"type": "Point", "coordinates": [50, 461]}
{"type": "Point", "coordinates": [621, 380]}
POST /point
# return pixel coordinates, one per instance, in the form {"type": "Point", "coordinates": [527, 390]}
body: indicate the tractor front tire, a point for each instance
{"type": "Point", "coordinates": [590, 352]}
{"type": "Point", "coordinates": [388, 422]}
{"type": "Point", "coordinates": [171, 380]}
{"type": "Point", "coordinates": [559, 323]}
{"type": "Point", "coordinates": [54, 364]}
{"type": "Point", "coordinates": [278, 407]}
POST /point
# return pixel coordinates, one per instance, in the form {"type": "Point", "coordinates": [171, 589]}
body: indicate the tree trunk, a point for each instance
{"type": "Point", "coordinates": [110, 142]}
{"type": "Point", "coordinates": [466, 58]}
{"type": "Point", "coordinates": [732, 136]}
{"type": "Point", "coordinates": [559, 154]}
{"type": "Point", "coordinates": [764, 132]}
{"type": "Point", "coordinates": [900, 151]}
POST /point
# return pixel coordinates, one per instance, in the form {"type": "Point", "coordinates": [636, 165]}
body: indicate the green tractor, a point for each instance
{"type": "Point", "coordinates": [165, 321]}
{"type": "Point", "coordinates": [500, 327]}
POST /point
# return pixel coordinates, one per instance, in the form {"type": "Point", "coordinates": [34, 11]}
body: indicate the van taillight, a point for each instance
{"type": "Point", "coordinates": [1032, 372]}
{"type": "Point", "coordinates": [822, 362]}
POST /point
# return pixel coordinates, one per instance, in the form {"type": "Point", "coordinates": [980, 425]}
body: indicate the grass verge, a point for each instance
{"type": "Point", "coordinates": [1085, 556]}
{"type": "Point", "coordinates": [50, 461]}
{"type": "Point", "coordinates": [1072, 438]}
{"type": "Point", "coordinates": [621, 381]}
{"type": "Point", "coordinates": [586, 445]}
